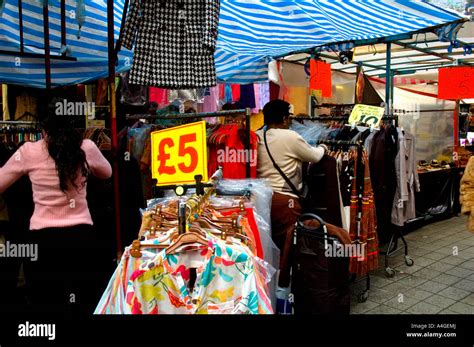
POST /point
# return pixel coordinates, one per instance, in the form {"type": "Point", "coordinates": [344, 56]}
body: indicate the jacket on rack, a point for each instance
{"type": "Point", "coordinates": [407, 180]}
{"type": "Point", "coordinates": [467, 193]}
{"type": "Point", "coordinates": [174, 41]}
{"type": "Point", "coordinates": [324, 193]}
{"type": "Point", "coordinates": [383, 176]}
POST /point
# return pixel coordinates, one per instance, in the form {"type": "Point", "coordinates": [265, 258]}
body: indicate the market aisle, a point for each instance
{"type": "Point", "coordinates": [438, 283]}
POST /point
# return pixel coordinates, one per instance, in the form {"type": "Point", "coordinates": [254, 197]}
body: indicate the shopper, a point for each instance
{"type": "Point", "coordinates": [467, 193]}
{"type": "Point", "coordinates": [289, 150]}
{"type": "Point", "coordinates": [58, 166]}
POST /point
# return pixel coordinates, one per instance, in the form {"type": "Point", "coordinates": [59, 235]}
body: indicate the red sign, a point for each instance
{"type": "Point", "coordinates": [179, 153]}
{"type": "Point", "coordinates": [456, 83]}
{"type": "Point", "coordinates": [321, 78]}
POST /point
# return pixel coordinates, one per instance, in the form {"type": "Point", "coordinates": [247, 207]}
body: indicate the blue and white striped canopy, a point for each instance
{"type": "Point", "coordinates": [90, 48]}
{"type": "Point", "coordinates": [251, 32]}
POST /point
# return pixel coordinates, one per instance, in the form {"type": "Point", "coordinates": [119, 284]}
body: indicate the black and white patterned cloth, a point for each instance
{"type": "Point", "coordinates": [174, 42]}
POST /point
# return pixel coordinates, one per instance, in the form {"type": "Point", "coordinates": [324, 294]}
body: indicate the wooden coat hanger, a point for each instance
{"type": "Point", "coordinates": [187, 238]}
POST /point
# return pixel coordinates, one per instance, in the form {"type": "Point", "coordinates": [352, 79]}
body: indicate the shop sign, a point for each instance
{"type": "Point", "coordinates": [179, 154]}
{"type": "Point", "coordinates": [456, 83]}
{"type": "Point", "coordinates": [370, 115]}
{"type": "Point", "coordinates": [320, 77]}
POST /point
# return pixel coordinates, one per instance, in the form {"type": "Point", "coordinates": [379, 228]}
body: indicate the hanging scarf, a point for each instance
{"type": "Point", "coordinates": [363, 232]}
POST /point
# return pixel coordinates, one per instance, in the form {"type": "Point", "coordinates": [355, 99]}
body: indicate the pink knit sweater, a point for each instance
{"type": "Point", "coordinates": [53, 208]}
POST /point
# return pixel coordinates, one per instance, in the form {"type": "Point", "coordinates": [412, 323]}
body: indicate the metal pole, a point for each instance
{"type": "Point", "coordinates": [248, 112]}
{"type": "Point", "coordinates": [392, 91]}
{"type": "Point", "coordinates": [47, 58]}
{"type": "Point", "coordinates": [388, 82]}
{"type": "Point", "coordinates": [456, 134]}
{"type": "Point", "coordinates": [20, 23]}
{"type": "Point", "coordinates": [63, 23]}
{"type": "Point", "coordinates": [113, 121]}
{"type": "Point", "coordinates": [231, 113]}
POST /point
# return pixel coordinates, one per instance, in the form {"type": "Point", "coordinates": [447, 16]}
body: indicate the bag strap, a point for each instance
{"type": "Point", "coordinates": [275, 165]}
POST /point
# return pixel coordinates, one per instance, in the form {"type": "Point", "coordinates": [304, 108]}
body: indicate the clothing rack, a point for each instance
{"type": "Point", "coordinates": [323, 118]}
{"type": "Point", "coordinates": [396, 232]}
{"type": "Point", "coordinates": [364, 295]}
{"type": "Point", "coordinates": [316, 118]}
{"type": "Point", "coordinates": [340, 118]}
{"type": "Point", "coordinates": [18, 122]}
{"type": "Point", "coordinates": [327, 105]}
{"type": "Point", "coordinates": [231, 113]}
{"type": "Point", "coordinates": [359, 144]}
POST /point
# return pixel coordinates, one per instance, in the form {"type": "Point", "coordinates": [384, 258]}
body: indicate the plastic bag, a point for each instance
{"type": "Point", "coordinates": [260, 194]}
{"type": "Point", "coordinates": [311, 131]}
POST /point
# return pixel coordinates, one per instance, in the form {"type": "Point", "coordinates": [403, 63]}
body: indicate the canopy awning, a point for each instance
{"type": "Point", "coordinates": [87, 55]}
{"type": "Point", "coordinates": [251, 33]}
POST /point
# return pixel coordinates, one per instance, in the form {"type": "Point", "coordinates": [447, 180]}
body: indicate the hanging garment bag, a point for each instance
{"type": "Point", "coordinates": [320, 283]}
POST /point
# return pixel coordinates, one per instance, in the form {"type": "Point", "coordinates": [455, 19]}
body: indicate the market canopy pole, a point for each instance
{"type": "Point", "coordinates": [113, 121]}
{"type": "Point", "coordinates": [388, 84]}
{"type": "Point", "coordinates": [456, 134]}
{"type": "Point", "coordinates": [47, 57]}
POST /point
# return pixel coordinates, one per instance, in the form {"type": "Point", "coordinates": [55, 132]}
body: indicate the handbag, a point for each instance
{"type": "Point", "coordinates": [301, 194]}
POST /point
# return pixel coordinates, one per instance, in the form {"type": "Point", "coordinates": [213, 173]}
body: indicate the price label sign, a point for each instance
{"type": "Point", "coordinates": [456, 83]}
{"type": "Point", "coordinates": [179, 153]}
{"type": "Point", "coordinates": [320, 77]}
{"type": "Point", "coordinates": [370, 115]}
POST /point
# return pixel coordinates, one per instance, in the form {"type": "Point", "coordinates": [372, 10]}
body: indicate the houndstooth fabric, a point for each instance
{"type": "Point", "coordinates": [174, 41]}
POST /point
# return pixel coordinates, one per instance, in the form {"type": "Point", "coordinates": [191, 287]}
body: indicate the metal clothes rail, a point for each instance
{"type": "Point", "coordinates": [233, 113]}
{"type": "Point", "coordinates": [321, 118]}
{"type": "Point", "coordinates": [341, 118]}
{"type": "Point", "coordinates": [18, 122]}
{"type": "Point", "coordinates": [364, 295]}
{"type": "Point", "coordinates": [341, 142]}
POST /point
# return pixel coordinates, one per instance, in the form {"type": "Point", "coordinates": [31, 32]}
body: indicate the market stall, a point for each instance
{"type": "Point", "coordinates": [230, 67]}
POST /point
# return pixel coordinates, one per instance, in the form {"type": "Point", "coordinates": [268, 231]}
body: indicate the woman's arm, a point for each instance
{"type": "Point", "coordinates": [98, 165]}
{"type": "Point", "coordinates": [13, 169]}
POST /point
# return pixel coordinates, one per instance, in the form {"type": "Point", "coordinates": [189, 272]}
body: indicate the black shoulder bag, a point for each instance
{"type": "Point", "coordinates": [303, 194]}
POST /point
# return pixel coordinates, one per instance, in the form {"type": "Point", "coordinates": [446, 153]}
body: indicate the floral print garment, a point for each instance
{"type": "Point", "coordinates": [113, 298]}
{"type": "Point", "coordinates": [228, 281]}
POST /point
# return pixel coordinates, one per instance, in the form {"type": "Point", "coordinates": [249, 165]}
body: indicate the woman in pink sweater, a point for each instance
{"type": "Point", "coordinates": [61, 225]}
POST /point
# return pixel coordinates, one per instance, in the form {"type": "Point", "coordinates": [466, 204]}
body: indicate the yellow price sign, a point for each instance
{"type": "Point", "coordinates": [179, 154]}
{"type": "Point", "coordinates": [370, 115]}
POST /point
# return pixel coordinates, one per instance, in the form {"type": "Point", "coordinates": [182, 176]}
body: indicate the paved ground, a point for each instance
{"type": "Point", "coordinates": [441, 281]}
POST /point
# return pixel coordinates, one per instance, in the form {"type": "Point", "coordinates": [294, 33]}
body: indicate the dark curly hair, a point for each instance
{"type": "Point", "coordinates": [64, 146]}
